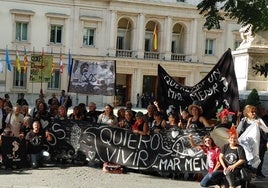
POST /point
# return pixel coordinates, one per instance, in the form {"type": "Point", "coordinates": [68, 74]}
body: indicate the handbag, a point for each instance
{"type": "Point", "coordinates": [245, 174]}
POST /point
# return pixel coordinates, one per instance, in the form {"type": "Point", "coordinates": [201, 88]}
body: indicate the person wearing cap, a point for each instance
{"type": "Point", "coordinates": [140, 126]}
{"type": "Point", "coordinates": [223, 117]}
{"type": "Point", "coordinates": [197, 120]}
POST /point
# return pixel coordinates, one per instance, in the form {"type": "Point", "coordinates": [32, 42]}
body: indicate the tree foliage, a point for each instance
{"type": "Point", "coordinates": [246, 12]}
{"type": "Point", "coordinates": [253, 98]}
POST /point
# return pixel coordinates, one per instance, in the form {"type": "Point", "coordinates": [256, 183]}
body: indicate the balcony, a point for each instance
{"type": "Point", "coordinates": [124, 53]}
{"type": "Point", "coordinates": [151, 55]}
{"type": "Point", "coordinates": [178, 57]}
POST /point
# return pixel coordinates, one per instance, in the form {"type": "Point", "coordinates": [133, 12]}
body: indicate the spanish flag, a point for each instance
{"type": "Point", "coordinates": [17, 61]}
{"type": "Point", "coordinates": [155, 38]}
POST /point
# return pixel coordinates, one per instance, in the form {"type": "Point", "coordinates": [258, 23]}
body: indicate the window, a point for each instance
{"type": "Point", "coordinates": [21, 20]}
{"type": "Point", "coordinates": [89, 36]}
{"type": "Point", "coordinates": [147, 46]}
{"type": "Point", "coordinates": [209, 49]}
{"type": "Point", "coordinates": [173, 47]}
{"type": "Point", "coordinates": [57, 23]}
{"type": "Point", "coordinates": [54, 82]}
{"type": "Point", "coordinates": [120, 43]}
{"type": "Point", "coordinates": [21, 31]}
{"type": "Point", "coordinates": [56, 34]}
{"type": "Point", "coordinates": [19, 80]}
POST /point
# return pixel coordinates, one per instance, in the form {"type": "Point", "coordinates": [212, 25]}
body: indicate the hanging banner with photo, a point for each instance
{"type": "Point", "coordinates": [218, 89]}
{"type": "Point", "coordinates": [41, 66]}
{"type": "Point", "coordinates": [93, 78]}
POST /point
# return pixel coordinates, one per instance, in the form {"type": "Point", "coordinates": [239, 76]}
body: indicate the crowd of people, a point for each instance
{"type": "Point", "coordinates": [223, 163]}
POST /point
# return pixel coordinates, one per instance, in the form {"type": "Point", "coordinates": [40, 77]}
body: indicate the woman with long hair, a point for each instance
{"type": "Point", "coordinates": [215, 174]}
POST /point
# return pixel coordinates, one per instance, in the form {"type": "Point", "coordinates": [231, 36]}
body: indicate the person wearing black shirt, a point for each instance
{"type": "Point", "coordinates": [35, 143]}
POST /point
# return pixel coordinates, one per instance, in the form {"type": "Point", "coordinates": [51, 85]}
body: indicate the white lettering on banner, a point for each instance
{"type": "Point", "coordinates": [190, 164]}
{"type": "Point", "coordinates": [57, 129]}
{"type": "Point", "coordinates": [203, 94]}
{"type": "Point", "coordinates": [214, 76]}
{"type": "Point", "coordinates": [113, 137]}
{"type": "Point", "coordinates": [174, 95]}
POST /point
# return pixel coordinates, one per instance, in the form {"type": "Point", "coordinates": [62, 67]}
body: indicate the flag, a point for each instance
{"type": "Point", "coordinates": [69, 63]}
{"type": "Point", "coordinates": [217, 89]}
{"type": "Point", "coordinates": [25, 61]}
{"type": "Point", "coordinates": [17, 61]}
{"type": "Point", "coordinates": [155, 38]}
{"type": "Point", "coordinates": [61, 64]}
{"type": "Point", "coordinates": [1, 66]}
{"type": "Point", "coordinates": [9, 67]}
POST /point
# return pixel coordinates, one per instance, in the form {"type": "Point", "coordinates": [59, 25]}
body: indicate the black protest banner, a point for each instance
{"type": "Point", "coordinates": [166, 151]}
{"type": "Point", "coordinates": [218, 88]}
{"type": "Point", "coordinates": [96, 78]}
{"type": "Point", "coordinates": [13, 151]}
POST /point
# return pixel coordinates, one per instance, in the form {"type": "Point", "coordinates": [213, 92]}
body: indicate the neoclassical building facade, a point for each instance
{"type": "Point", "coordinates": [119, 30]}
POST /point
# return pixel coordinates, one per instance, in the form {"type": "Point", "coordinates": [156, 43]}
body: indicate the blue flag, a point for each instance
{"type": "Point", "coordinates": [69, 63]}
{"type": "Point", "coordinates": [9, 67]}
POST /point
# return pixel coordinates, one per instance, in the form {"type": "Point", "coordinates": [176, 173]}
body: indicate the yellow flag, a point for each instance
{"type": "Point", "coordinates": [155, 38]}
{"type": "Point", "coordinates": [18, 61]}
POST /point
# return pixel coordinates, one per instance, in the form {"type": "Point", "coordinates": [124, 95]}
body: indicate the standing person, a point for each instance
{"type": "Point", "coordinates": [215, 173]}
{"type": "Point", "coordinates": [53, 100]}
{"type": "Point", "coordinates": [129, 107]}
{"type": "Point", "coordinates": [138, 100]}
{"type": "Point", "coordinates": [107, 117]}
{"type": "Point", "coordinates": [251, 119]}
{"type": "Point", "coordinates": [3, 116]}
{"type": "Point", "coordinates": [149, 115]}
{"type": "Point", "coordinates": [232, 158]}
{"type": "Point", "coordinates": [14, 120]}
{"type": "Point", "coordinates": [263, 142]}
{"type": "Point", "coordinates": [92, 114]}
{"type": "Point", "coordinates": [197, 121]}
{"type": "Point", "coordinates": [21, 100]}
{"type": "Point", "coordinates": [65, 100]}
{"type": "Point", "coordinates": [41, 113]}
{"type": "Point", "coordinates": [27, 126]}
{"type": "Point", "coordinates": [62, 113]}
{"type": "Point", "coordinates": [35, 143]}
{"type": "Point", "coordinates": [7, 101]}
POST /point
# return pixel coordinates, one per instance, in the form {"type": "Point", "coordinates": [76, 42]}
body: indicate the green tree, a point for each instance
{"type": "Point", "coordinates": [246, 12]}
{"type": "Point", "coordinates": [253, 98]}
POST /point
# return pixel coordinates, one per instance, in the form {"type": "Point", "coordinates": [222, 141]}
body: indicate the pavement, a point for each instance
{"type": "Point", "coordinates": [66, 176]}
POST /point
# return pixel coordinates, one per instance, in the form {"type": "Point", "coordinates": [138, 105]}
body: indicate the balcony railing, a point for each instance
{"type": "Point", "coordinates": [178, 57]}
{"type": "Point", "coordinates": [151, 55]}
{"type": "Point", "coordinates": [124, 53]}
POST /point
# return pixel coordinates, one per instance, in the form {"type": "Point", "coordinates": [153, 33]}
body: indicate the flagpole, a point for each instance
{"type": "Point", "coordinates": [42, 66]}
{"type": "Point", "coordinates": [6, 74]}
